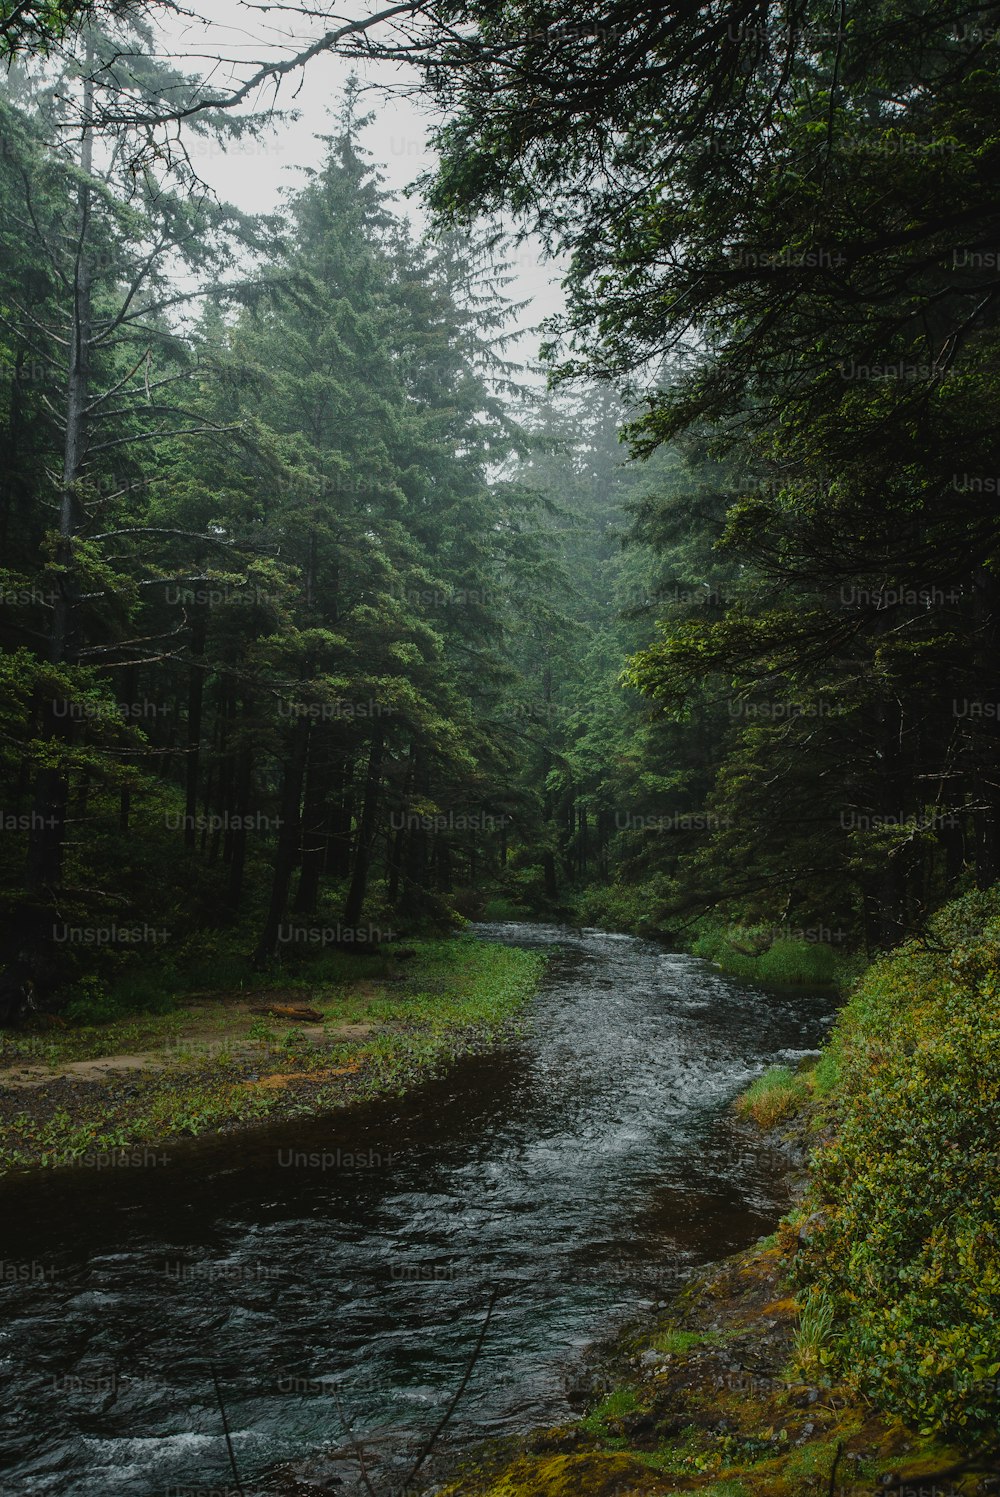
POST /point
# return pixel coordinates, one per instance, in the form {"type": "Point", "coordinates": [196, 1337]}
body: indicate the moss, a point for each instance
{"type": "Point", "coordinates": [816, 1459]}
{"type": "Point", "coordinates": [598, 1474]}
{"type": "Point", "coordinates": [699, 1429]}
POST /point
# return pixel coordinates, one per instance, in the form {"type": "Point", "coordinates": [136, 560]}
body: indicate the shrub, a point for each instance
{"type": "Point", "coordinates": [906, 1245]}
{"type": "Point", "coordinates": [503, 909]}
{"type": "Point", "coordinates": [91, 1003]}
{"type": "Point", "coordinates": [640, 908]}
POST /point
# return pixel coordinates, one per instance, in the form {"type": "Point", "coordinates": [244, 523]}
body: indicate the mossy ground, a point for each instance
{"type": "Point", "coordinates": [212, 1064]}
{"type": "Point", "coordinates": [722, 1411]}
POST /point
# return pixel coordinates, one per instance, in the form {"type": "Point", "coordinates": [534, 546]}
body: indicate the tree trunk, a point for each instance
{"type": "Point", "coordinates": [244, 785]}
{"type": "Point", "coordinates": [314, 821]}
{"type": "Point", "coordinates": [196, 691]}
{"type": "Point", "coordinates": [287, 849]}
{"type": "Point", "coordinates": [366, 833]}
{"type": "Point", "coordinates": [48, 822]}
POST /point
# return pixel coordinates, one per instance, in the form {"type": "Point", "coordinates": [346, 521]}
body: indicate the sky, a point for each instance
{"type": "Point", "coordinates": [253, 173]}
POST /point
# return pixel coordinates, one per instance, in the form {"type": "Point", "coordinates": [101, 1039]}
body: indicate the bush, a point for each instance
{"type": "Point", "coordinates": [640, 909]}
{"type": "Point", "coordinates": [503, 909]}
{"type": "Point", "coordinates": [906, 1244]}
{"type": "Point", "coordinates": [91, 1003]}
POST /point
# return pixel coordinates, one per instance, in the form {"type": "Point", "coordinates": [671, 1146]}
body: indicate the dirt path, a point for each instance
{"type": "Point", "coordinates": [198, 1041]}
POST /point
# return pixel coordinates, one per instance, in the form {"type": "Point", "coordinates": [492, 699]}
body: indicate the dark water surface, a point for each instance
{"type": "Point", "coordinates": [585, 1169]}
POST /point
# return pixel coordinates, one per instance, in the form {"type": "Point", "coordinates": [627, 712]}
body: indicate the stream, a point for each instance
{"type": "Point", "coordinates": [337, 1271]}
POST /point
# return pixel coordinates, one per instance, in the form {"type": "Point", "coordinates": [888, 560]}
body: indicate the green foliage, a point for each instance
{"type": "Point", "coordinates": [299, 491]}
{"type": "Point", "coordinates": [773, 1096]}
{"type": "Point", "coordinates": [805, 236]}
{"type": "Point", "coordinates": [91, 1003]}
{"type": "Point", "coordinates": [753, 952]}
{"type": "Point", "coordinates": [812, 1353]}
{"type": "Point", "coordinates": [502, 909]}
{"type": "Point", "coordinates": [905, 1245]}
{"type": "Point", "coordinates": [616, 1406]}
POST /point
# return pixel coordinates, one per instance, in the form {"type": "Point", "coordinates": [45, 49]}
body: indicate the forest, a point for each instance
{"type": "Point", "coordinates": [362, 625]}
{"type": "Point", "coordinates": [353, 599]}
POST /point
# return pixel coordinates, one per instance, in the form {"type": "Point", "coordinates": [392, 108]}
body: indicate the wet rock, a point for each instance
{"type": "Point", "coordinates": [638, 1426]}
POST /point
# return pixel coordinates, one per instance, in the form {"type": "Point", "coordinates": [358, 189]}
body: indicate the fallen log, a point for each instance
{"type": "Point", "coordinates": [287, 1011]}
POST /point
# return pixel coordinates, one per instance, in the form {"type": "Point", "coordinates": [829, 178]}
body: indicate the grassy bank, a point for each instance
{"type": "Point", "coordinates": [353, 1029]}
{"type": "Point", "coordinates": [806, 956]}
{"type": "Point", "coordinates": [857, 1350]}
{"type": "Point", "coordinates": [772, 955]}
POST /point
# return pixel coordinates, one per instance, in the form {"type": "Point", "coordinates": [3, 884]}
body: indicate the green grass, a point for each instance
{"type": "Point", "coordinates": [777, 1094]}
{"type": "Point", "coordinates": [617, 1405]}
{"type": "Point", "coordinates": [454, 994]}
{"type": "Point", "coordinates": [673, 1343]}
{"type": "Point", "coordinates": [212, 961]}
{"type": "Point", "coordinates": [812, 1353]}
{"type": "Point", "coordinates": [754, 954]}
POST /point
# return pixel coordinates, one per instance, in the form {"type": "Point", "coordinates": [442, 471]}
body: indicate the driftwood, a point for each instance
{"type": "Point", "coordinates": [288, 1011]}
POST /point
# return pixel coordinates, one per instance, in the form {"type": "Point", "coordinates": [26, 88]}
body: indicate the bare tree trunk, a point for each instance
{"type": "Point", "coordinates": [48, 822]}
{"type": "Point", "coordinates": [244, 786]}
{"type": "Point", "coordinates": [314, 821]}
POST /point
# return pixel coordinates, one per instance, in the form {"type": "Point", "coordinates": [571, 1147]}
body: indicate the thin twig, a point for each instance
{"type": "Point", "coordinates": [476, 1353]}
{"type": "Point", "coordinates": [225, 1430]}
{"type": "Point", "coordinates": [356, 1444]}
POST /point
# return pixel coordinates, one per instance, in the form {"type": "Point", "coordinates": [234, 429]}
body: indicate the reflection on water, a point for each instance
{"type": "Point", "coordinates": [340, 1269]}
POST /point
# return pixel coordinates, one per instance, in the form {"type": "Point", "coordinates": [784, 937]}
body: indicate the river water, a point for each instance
{"type": "Point", "coordinates": [337, 1271]}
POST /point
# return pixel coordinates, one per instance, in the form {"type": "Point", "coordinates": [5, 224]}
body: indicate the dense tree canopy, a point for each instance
{"type": "Point", "coordinates": [780, 228]}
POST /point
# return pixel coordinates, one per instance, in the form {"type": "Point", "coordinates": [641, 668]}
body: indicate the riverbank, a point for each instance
{"type": "Point", "coordinates": [727, 1392]}
{"type": "Point", "coordinates": [224, 1062]}
{"type": "Point", "coordinates": [858, 1349]}
{"type": "Point", "coordinates": [704, 1400]}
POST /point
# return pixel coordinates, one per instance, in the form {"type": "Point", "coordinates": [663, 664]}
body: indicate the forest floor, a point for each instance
{"type": "Point", "coordinates": [710, 1396]}
{"type": "Point", "coordinates": [223, 1061]}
